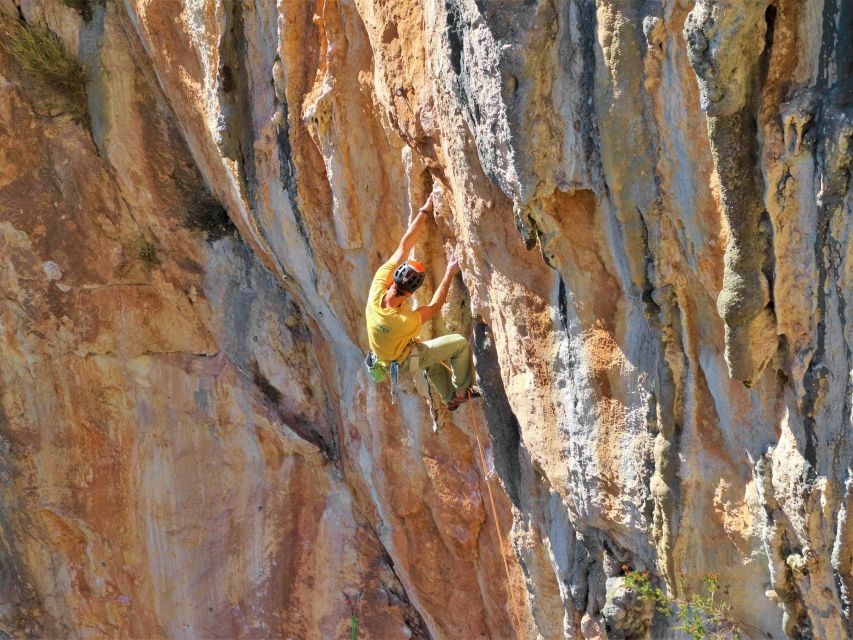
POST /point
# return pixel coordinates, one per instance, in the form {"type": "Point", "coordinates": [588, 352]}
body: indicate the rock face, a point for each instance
{"type": "Point", "coordinates": [651, 204]}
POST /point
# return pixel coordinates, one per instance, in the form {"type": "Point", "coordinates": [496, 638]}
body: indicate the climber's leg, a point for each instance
{"type": "Point", "coordinates": [453, 350]}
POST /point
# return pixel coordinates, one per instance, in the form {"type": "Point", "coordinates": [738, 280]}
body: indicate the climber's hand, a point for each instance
{"type": "Point", "coordinates": [453, 266]}
{"type": "Point", "coordinates": [427, 205]}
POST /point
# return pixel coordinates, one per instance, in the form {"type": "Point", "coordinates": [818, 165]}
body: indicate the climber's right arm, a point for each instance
{"type": "Point", "coordinates": [412, 233]}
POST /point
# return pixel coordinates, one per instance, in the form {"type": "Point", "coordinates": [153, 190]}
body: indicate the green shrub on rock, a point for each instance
{"type": "Point", "coordinates": [57, 78]}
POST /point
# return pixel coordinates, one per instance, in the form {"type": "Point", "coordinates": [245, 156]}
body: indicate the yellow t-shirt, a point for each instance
{"type": "Point", "coordinates": [389, 330]}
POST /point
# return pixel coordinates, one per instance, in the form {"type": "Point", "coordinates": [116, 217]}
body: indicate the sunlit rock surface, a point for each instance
{"type": "Point", "coordinates": [651, 204]}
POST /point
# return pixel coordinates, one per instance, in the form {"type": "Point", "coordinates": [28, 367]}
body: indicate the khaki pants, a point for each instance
{"type": "Point", "coordinates": [454, 351]}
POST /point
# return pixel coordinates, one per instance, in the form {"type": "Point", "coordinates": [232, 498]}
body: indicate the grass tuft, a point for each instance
{"type": "Point", "coordinates": [147, 253]}
{"type": "Point", "coordinates": [57, 77]}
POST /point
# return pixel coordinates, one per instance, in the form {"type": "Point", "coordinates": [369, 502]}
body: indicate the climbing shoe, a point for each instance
{"type": "Point", "coordinates": [454, 404]}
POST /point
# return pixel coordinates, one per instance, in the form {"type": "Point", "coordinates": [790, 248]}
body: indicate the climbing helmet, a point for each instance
{"type": "Point", "coordinates": [409, 276]}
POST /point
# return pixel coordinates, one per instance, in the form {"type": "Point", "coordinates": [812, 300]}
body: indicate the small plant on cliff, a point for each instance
{"type": "Point", "coordinates": [700, 616]}
{"type": "Point", "coordinates": [205, 213]}
{"type": "Point", "coordinates": [147, 253]}
{"type": "Point", "coordinates": [57, 78]}
{"type": "Point", "coordinates": [202, 211]}
{"type": "Point", "coordinates": [263, 384]}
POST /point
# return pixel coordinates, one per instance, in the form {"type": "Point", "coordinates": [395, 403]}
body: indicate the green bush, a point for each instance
{"type": "Point", "coordinates": [58, 78]}
{"type": "Point", "coordinates": [700, 616]}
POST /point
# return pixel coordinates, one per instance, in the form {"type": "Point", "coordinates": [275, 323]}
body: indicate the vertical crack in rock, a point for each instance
{"type": "Point", "coordinates": [235, 130]}
{"type": "Point", "coordinates": [414, 620]}
{"type": "Point", "coordinates": [628, 153]}
{"type": "Point", "coordinates": [670, 385]}
{"type": "Point", "coordinates": [500, 419]}
{"type": "Point", "coordinates": [726, 43]}
{"type": "Point", "coordinates": [22, 614]}
{"type": "Point", "coordinates": [586, 120]}
{"type": "Point", "coordinates": [21, 611]}
{"type": "Point", "coordinates": [842, 99]}
{"type": "Point", "coordinates": [455, 28]}
{"type": "Point", "coordinates": [266, 353]}
{"type": "Point", "coordinates": [827, 43]}
{"type": "Point", "coordinates": [834, 160]}
{"type": "Point", "coordinates": [563, 304]}
{"type": "Point", "coordinates": [287, 168]}
{"type": "Point", "coordinates": [778, 549]}
{"type": "Point", "coordinates": [842, 553]}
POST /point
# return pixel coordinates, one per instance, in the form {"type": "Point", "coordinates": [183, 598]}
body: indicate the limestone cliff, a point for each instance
{"type": "Point", "coordinates": [651, 203]}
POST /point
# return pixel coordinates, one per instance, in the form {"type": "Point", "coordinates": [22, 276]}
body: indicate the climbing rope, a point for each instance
{"type": "Point", "coordinates": [476, 426]}
{"type": "Point", "coordinates": [491, 497]}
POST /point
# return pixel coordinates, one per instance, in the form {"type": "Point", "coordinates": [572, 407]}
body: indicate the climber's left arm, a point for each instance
{"type": "Point", "coordinates": [440, 294]}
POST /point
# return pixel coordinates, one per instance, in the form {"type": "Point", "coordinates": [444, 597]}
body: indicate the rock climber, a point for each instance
{"type": "Point", "coordinates": [392, 327]}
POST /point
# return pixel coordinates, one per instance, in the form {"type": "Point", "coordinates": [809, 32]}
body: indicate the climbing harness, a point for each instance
{"type": "Point", "coordinates": [379, 372]}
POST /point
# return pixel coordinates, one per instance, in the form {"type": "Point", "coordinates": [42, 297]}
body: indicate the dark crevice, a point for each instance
{"type": "Point", "coordinates": [411, 615]}
{"type": "Point", "coordinates": [455, 28]}
{"type": "Point", "coordinates": [827, 45]}
{"type": "Point", "coordinates": [287, 173]}
{"type": "Point", "coordinates": [648, 261]}
{"type": "Point", "coordinates": [649, 458]}
{"type": "Point", "coordinates": [764, 60]}
{"type": "Point", "coordinates": [237, 136]}
{"type": "Point", "coordinates": [833, 163]}
{"type": "Point", "coordinates": [589, 123]}
{"type": "Point", "coordinates": [500, 419]}
{"type": "Point", "coordinates": [818, 372]}
{"type": "Point", "coordinates": [842, 93]}
{"type": "Point", "coordinates": [563, 305]}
